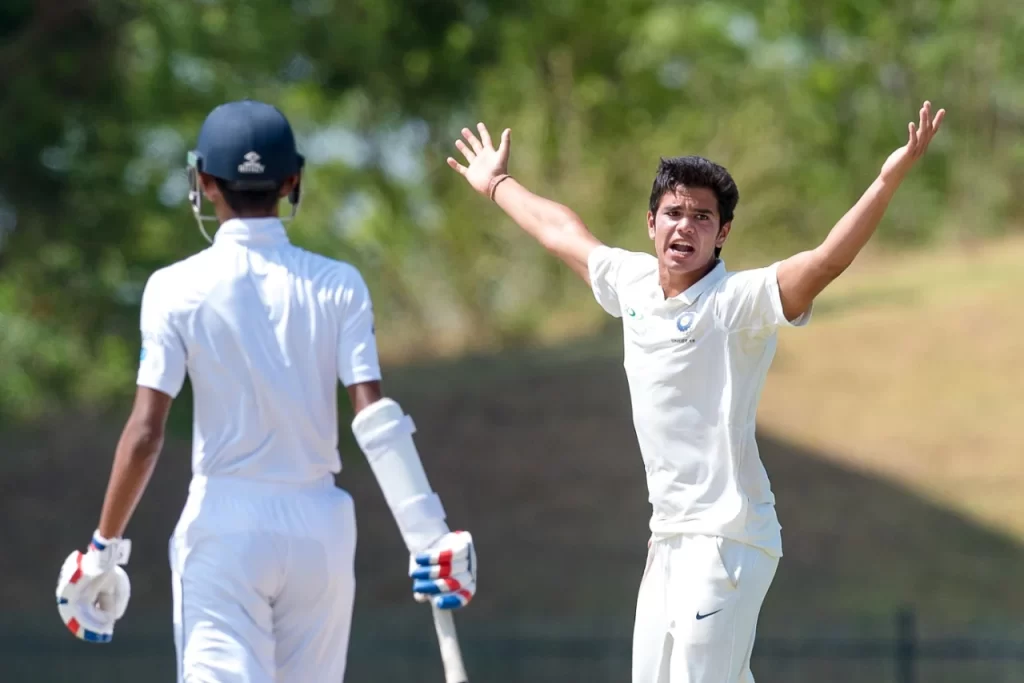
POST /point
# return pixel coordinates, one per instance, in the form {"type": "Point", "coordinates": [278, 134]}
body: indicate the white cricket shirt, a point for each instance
{"type": "Point", "coordinates": [696, 364]}
{"type": "Point", "coordinates": [264, 330]}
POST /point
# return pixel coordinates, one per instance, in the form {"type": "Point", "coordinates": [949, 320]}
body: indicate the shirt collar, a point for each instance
{"type": "Point", "coordinates": [269, 230]}
{"type": "Point", "coordinates": [691, 294]}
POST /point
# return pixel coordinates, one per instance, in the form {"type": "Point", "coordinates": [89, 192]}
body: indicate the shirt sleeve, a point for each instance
{"type": "Point", "coordinates": [358, 361]}
{"type": "Point", "coordinates": [752, 301]}
{"type": "Point", "coordinates": [605, 267]}
{"type": "Point", "coordinates": [162, 362]}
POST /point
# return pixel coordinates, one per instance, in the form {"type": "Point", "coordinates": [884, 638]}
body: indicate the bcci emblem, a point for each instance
{"type": "Point", "coordinates": [685, 322]}
{"type": "Point", "coordinates": [251, 164]}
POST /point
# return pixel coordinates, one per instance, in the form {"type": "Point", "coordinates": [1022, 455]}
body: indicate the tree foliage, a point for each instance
{"type": "Point", "coordinates": [801, 100]}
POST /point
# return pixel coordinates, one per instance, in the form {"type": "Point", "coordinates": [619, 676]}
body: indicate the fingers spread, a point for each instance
{"type": "Point", "coordinates": [457, 166]}
{"type": "Point", "coordinates": [471, 139]}
{"type": "Point", "coordinates": [466, 151]}
{"type": "Point", "coordinates": [485, 136]}
{"type": "Point", "coordinates": [935, 123]}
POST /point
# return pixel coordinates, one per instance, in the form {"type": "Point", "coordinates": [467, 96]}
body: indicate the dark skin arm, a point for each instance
{"type": "Point", "coordinates": [364, 395]}
{"type": "Point", "coordinates": [134, 460]}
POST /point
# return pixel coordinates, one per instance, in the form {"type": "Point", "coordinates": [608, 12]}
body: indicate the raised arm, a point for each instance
{"type": "Point", "coordinates": [556, 227]}
{"type": "Point", "coordinates": [803, 276]}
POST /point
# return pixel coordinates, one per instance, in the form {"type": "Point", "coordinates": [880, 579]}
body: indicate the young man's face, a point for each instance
{"type": "Point", "coordinates": [686, 229]}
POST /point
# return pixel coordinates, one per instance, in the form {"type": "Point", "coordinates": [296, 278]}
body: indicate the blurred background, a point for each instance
{"type": "Point", "coordinates": [890, 427]}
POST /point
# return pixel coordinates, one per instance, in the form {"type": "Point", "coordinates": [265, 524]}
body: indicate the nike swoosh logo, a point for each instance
{"type": "Point", "coordinates": [705, 616]}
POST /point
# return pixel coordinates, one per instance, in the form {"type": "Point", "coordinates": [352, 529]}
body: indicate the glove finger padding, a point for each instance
{"type": "Point", "coordinates": [90, 600]}
{"type": "Point", "coordinates": [440, 571]}
{"type": "Point", "coordinates": [449, 584]}
{"type": "Point", "coordinates": [459, 598]}
{"type": "Point", "coordinates": [445, 573]}
{"type": "Point", "coordinates": [450, 548]}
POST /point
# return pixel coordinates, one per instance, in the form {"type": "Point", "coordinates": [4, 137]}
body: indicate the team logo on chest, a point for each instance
{"type": "Point", "coordinates": [684, 324]}
{"type": "Point", "coordinates": [685, 321]}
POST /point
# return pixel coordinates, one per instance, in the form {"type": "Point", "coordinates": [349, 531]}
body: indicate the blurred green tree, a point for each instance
{"type": "Point", "coordinates": [801, 100]}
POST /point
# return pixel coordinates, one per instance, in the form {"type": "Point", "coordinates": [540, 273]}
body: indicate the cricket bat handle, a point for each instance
{"type": "Point", "coordinates": [448, 640]}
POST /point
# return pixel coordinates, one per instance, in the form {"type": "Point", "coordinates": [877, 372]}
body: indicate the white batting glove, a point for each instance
{"type": "Point", "coordinates": [445, 573]}
{"type": "Point", "coordinates": [93, 590]}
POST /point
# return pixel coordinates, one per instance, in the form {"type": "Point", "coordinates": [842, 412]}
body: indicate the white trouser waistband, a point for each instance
{"type": "Point", "coordinates": [241, 485]}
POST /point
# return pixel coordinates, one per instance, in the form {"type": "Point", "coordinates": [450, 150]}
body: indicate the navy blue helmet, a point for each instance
{"type": "Point", "coordinates": [247, 144]}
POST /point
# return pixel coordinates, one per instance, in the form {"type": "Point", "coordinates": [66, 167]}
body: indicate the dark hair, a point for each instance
{"type": "Point", "coordinates": [695, 171]}
{"type": "Point", "coordinates": [250, 202]}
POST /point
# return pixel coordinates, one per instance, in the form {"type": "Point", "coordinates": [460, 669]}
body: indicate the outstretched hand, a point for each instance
{"type": "Point", "coordinates": [900, 161]}
{"type": "Point", "coordinates": [485, 162]}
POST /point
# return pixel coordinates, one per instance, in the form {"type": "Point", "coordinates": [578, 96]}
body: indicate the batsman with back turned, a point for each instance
{"type": "Point", "coordinates": [262, 557]}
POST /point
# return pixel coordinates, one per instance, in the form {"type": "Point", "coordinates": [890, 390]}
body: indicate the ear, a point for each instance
{"type": "Point", "coordinates": [723, 233]}
{"type": "Point", "coordinates": [650, 225]}
{"type": "Point", "coordinates": [209, 187]}
{"type": "Point", "coordinates": [288, 185]}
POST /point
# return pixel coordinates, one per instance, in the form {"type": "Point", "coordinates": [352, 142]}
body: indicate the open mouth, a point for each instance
{"type": "Point", "coordinates": [682, 248]}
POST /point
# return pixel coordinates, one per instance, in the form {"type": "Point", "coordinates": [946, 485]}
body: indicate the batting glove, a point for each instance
{"type": "Point", "coordinates": [93, 590]}
{"type": "Point", "coordinates": [445, 573]}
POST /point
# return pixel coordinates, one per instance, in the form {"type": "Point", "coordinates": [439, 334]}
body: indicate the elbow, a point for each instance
{"type": "Point", "coordinates": [569, 228]}
{"type": "Point", "coordinates": [829, 266]}
{"type": "Point", "coordinates": [143, 442]}
{"type": "Point", "coordinates": [831, 271]}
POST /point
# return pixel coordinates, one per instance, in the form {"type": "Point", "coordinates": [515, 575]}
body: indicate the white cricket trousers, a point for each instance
{"type": "Point", "coordinates": [263, 580]}
{"type": "Point", "coordinates": [697, 610]}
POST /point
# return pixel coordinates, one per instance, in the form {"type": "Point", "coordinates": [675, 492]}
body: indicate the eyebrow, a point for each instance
{"type": "Point", "coordinates": [670, 207]}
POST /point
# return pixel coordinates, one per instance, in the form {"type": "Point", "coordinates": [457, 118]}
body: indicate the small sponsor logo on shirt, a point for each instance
{"type": "Point", "coordinates": [633, 313]}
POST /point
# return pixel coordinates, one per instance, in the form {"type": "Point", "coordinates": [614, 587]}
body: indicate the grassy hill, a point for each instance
{"type": "Point", "coordinates": [912, 371]}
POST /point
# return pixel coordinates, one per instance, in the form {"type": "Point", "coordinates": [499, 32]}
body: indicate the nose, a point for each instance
{"type": "Point", "coordinates": [686, 227]}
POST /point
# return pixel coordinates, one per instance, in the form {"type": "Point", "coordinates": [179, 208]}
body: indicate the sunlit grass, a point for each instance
{"type": "Point", "coordinates": [913, 370]}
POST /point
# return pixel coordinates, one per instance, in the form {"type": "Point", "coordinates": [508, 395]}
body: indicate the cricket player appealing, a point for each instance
{"type": "Point", "coordinates": [262, 557]}
{"type": "Point", "coordinates": [698, 341]}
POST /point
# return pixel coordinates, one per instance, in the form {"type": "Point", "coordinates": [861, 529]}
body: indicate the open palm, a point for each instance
{"type": "Point", "coordinates": [900, 161]}
{"type": "Point", "coordinates": [485, 162]}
